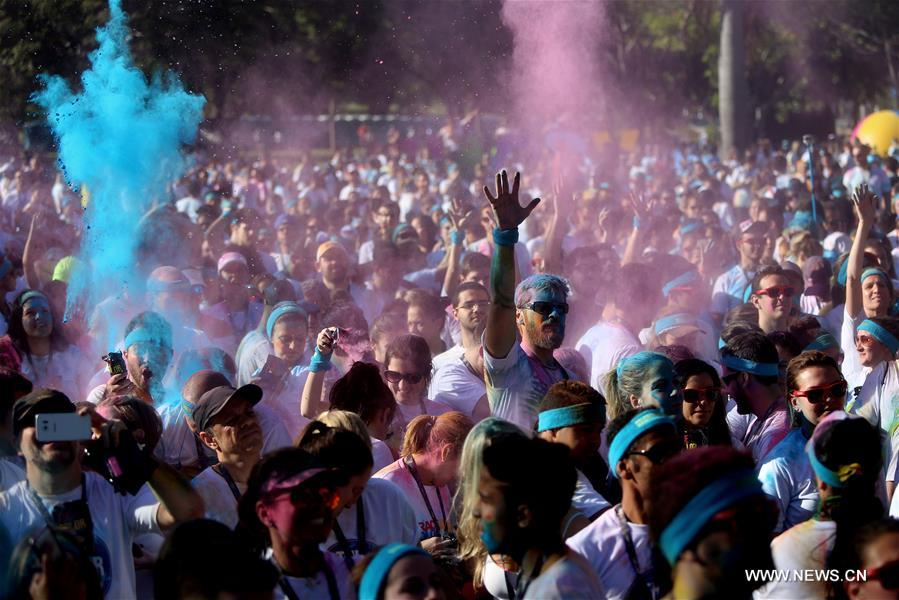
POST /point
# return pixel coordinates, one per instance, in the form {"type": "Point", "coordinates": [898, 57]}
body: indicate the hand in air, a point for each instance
{"type": "Point", "coordinates": [865, 203]}
{"type": "Point", "coordinates": [508, 213]}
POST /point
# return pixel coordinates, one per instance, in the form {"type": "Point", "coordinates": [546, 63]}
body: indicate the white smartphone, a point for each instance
{"type": "Point", "coordinates": [62, 427]}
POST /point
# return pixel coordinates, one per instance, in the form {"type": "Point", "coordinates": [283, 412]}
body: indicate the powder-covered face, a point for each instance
{"type": "Point", "coordinates": [490, 511]}
{"type": "Point", "coordinates": [37, 321]}
{"type": "Point", "coordinates": [544, 331]}
{"type": "Point", "coordinates": [659, 387]}
{"type": "Point", "coordinates": [289, 338]}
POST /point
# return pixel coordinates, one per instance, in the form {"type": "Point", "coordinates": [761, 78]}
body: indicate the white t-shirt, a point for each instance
{"type": "Point", "coordinates": [398, 474]}
{"type": "Point", "coordinates": [878, 402]}
{"type": "Point", "coordinates": [787, 477]}
{"type": "Point", "coordinates": [586, 499]}
{"type": "Point", "coordinates": [251, 355]}
{"type": "Point", "coordinates": [764, 434]}
{"type": "Point", "coordinates": [603, 546]}
{"type": "Point", "coordinates": [804, 546]}
{"type": "Point", "coordinates": [727, 293]}
{"type": "Point", "coordinates": [117, 520]}
{"type": "Point", "coordinates": [63, 371]}
{"type": "Point", "coordinates": [445, 358]}
{"type": "Point", "coordinates": [603, 346]}
{"type": "Point", "coordinates": [10, 474]}
{"type": "Point", "coordinates": [570, 577]}
{"type": "Point", "coordinates": [514, 388]}
{"type": "Point", "coordinates": [388, 518]}
{"type": "Point", "coordinates": [286, 404]}
{"type": "Point", "coordinates": [317, 587]}
{"type": "Point", "coordinates": [498, 582]}
{"type": "Point", "coordinates": [221, 505]}
{"type": "Point", "coordinates": [852, 367]}
{"type": "Point", "coordinates": [455, 385]}
{"type": "Point", "coordinates": [381, 455]}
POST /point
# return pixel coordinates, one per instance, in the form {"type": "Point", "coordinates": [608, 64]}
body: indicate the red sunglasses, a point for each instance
{"type": "Point", "coordinates": [787, 291]}
{"type": "Point", "coordinates": [819, 394]}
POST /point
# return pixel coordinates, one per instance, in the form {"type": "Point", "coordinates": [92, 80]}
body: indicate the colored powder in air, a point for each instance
{"type": "Point", "coordinates": [121, 137]}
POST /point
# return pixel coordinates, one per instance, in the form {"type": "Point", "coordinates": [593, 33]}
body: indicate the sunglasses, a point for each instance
{"type": "Point", "coordinates": [696, 394]}
{"type": "Point", "coordinates": [820, 394]}
{"type": "Point", "coordinates": [864, 340]}
{"type": "Point", "coordinates": [787, 291]}
{"type": "Point", "coordinates": [304, 494]}
{"type": "Point", "coordinates": [887, 574]}
{"type": "Point", "coordinates": [660, 452]}
{"type": "Point", "coordinates": [395, 377]}
{"type": "Point", "coordinates": [544, 309]}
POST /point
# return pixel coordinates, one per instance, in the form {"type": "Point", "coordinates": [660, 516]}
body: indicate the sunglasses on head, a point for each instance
{"type": "Point", "coordinates": [395, 377]}
{"type": "Point", "coordinates": [820, 394]}
{"type": "Point", "coordinates": [776, 291]}
{"type": "Point", "coordinates": [544, 309]}
{"type": "Point", "coordinates": [696, 394]}
{"type": "Point", "coordinates": [659, 453]}
{"type": "Point", "coordinates": [887, 574]}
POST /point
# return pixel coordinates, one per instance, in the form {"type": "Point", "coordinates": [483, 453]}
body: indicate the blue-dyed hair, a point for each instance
{"type": "Point", "coordinates": [627, 378]}
{"type": "Point", "coordinates": [525, 291]}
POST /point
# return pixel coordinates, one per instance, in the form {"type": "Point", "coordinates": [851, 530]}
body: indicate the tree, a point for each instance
{"type": "Point", "coordinates": [732, 87]}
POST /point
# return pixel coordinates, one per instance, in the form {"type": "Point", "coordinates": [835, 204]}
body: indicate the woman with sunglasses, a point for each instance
{"type": "Point", "coordinates": [704, 420]}
{"type": "Point", "coordinates": [876, 552]}
{"type": "Point", "coordinates": [408, 373]}
{"type": "Point", "coordinates": [289, 507]}
{"type": "Point", "coordinates": [815, 389]}
{"type": "Point", "coordinates": [878, 340]}
{"type": "Point", "coordinates": [426, 471]}
{"type": "Point", "coordinates": [869, 291]}
{"type": "Point", "coordinates": [845, 456]}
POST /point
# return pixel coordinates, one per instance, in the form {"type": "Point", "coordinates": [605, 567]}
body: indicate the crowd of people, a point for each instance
{"type": "Point", "coordinates": [390, 374]}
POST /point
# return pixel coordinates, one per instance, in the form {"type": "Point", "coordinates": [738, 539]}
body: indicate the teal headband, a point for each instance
{"type": "Point", "coordinates": [622, 364]}
{"type": "Point", "coordinates": [721, 343]}
{"type": "Point", "coordinates": [5, 267]}
{"type": "Point", "coordinates": [881, 335]}
{"type": "Point", "coordinates": [823, 342]}
{"type": "Point", "coordinates": [690, 227]}
{"type": "Point", "coordinates": [281, 309]}
{"type": "Point", "coordinates": [671, 321]}
{"type": "Point", "coordinates": [714, 498]}
{"type": "Point", "coordinates": [144, 335]}
{"type": "Point", "coordinates": [567, 416]}
{"type": "Point", "coordinates": [872, 272]}
{"type": "Point", "coordinates": [736, 363]}
{"type": "Point", "coordinates": [680, 281]}
{"type": "Point", "coordinates": [821, 471]}
{"type": "Point", "coordinates": [375, 576]}
{"type": "Point", "coordinates": [640, 424]}
{"type": "Point", "coordinates": [31, 295]}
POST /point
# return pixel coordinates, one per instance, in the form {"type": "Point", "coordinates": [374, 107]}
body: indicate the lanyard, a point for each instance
{"type": "Point", "coordinates": [333, 591]}
{"type": "Point", "coordinates": [344, 544]}
{"type": "Point", "coordinates": [410, 464]}
{"type": "Point", "coordinates": [521, 590]}
{"type": "Point", "coordinates": [631, 550]}
{"type": "Point", "coordinates": [223, 472]}
{"type": "Point", "coordinates": [45, 513]}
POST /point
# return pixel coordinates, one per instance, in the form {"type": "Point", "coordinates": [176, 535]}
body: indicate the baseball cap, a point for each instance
{"type": "Point", "coordinates": [753, 227]}
{"type": "Point", "coordinates": [231, 257]}
{"type": "Point", "coordinates": [214, 401]}
{"type": "Point", "coordinates": [284, 220]}
{"type": "Point", "coordinates": [817, 272]}
{"type": "Point", "coordinates": [167, 278]}
{"type": "Point", "coordinates": [40, 401]}
{"type": "Point", "coordinates": [327, 246]}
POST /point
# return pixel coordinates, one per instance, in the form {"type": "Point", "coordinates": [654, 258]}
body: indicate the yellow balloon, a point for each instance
{"type": "Point", "coordinates": [878, 130]}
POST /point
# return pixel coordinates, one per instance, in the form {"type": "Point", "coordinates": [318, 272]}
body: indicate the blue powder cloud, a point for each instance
{"type": "Point", "coordinates": [121, 137]}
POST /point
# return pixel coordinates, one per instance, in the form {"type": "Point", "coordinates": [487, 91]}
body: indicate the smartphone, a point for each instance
{"type": "Point", "coordinates": [62, 427]}
{"type": "Point", "coordinates": [115, 363]}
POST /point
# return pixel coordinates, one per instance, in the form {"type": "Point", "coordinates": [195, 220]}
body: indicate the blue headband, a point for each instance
{"type": "Point", "coordinates": [281, 309]}
{"type": "Point", "coordinates": [676, 320]}
{"type": "Point", "coordinates": [375, 576]}
{"type": "Point", "coordinates": [873, 271]}
{"type": "Point", "coordinates": [721, 343]}
{"type": "Point", "coordinates": [640, 424]}
{"type": "Point", "coordinates": [714, 498]}
{"type": "Point", "coordinates": [144, 335]}
{"type": "Point", "coordinates": [567, 416]}
{"type": "Point", "coordinates": [31, 295]}
{"type": "Point", "coordinates": [736, 363]}
{"type": "Point", "coordinates": [881, 335]}
{"type": "Point", "coordinates": [5, 267]}
{"type": "Point", "coordinates": [823, 342]}
{"type": "Point", "coordinates": [681, 280]}
{"type": "Point", "coordinates": [823, 473]}
{"type": "Point", "coordinates": [689, 227]}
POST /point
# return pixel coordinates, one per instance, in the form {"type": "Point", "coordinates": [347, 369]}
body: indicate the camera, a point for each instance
{"type": "Point", "coordinates": [124, 465]}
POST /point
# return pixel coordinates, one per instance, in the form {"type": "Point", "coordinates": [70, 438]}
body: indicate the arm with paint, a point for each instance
{"type": "Point", "coordinates": [864, 201]}
{"type": "Point", "coordinates": [311, 399]}
{"type": "Point", "coordinates": [28, 255]}
{"type": "Point", "coordinates": [501, 332]}
{"type": "Point", "coordinates": [458, 217]}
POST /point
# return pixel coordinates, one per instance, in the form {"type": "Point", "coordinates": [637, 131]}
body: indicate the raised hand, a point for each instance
{"type": "Point", "coordinates": [641, 206]}
{"type": "Point", "coordinates": [601, 223]}
{"type": "Point", "coordinates": [459, 215]}
{"type": "Point", "coordinates": [508, 212]}
{"type": "Point", "coordinates": [865, 203]}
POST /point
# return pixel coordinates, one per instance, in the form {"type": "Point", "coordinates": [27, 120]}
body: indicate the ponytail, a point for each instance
{"type": "Point", "coordinates": [336, 448]}
{"type": "Point", "coordinates": [427, 432]}
{"type": "Point", "coordinates": [616, 403]}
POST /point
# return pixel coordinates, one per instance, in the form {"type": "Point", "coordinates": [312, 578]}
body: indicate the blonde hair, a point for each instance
{"type": "Point", "coordinates": [427, 432]}
{"type": "Point", "coordinates": [344, 419]}
{"type": "Point", "coordinates": [471, 548]}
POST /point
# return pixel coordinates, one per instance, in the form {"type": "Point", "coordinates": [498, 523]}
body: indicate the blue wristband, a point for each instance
{"type": "Point", "coordinates": [456, 237]}
{"type": "Point", "coordinates": [320, 362]}
{"type": "Point", "coordinates": [636, 222]}
{"type": "Point", "coordinates": [505, 237]}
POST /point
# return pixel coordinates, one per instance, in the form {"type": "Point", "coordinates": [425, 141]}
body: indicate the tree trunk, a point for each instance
{"type": "Point", "coordinates": [733, 89]}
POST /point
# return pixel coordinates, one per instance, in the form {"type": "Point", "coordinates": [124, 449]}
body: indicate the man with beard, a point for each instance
{"type": "Point", "coordinates": [59, 492]}
{"type": "Point", "coordinates": [750, 376]}
{"type": "Point", "coordinates": [227, 424]}
{"type": "Point", "coordinates": [518, 374]}
{"type": "Point", "coordinates": [458, 379]}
